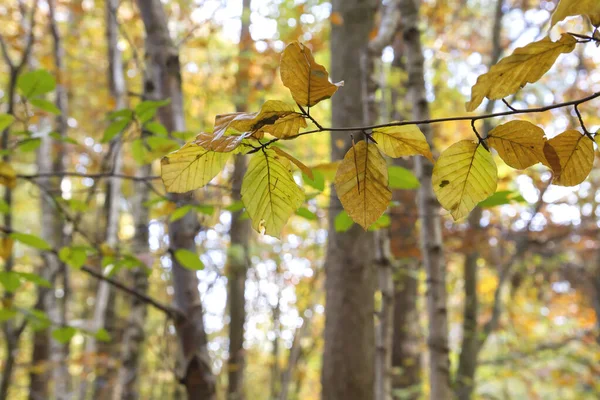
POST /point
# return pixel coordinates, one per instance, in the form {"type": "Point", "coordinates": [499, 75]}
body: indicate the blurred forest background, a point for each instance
{"type": "Point", "coordinates": [114, 289]}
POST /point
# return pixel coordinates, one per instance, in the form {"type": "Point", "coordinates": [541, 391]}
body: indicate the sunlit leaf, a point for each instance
{"type": "Point", "coordinates": [31, 241]}
{"type": "Point", "coordinates": [297, 65]}
{"type": "Point", "coordinates": [402, 178]}
{"type": "Point", "coordinates": [280, 119]}
{"type": "Point", "coordinates": [305, 170]}
{"type": "Point", "coordinates": [10, 281]}
{"type": "Point", "coordinates": [64, 334]}
{"type": "Point", "coordinates": [569, 8]}
{"type": "Point", "coordinates": [316, 182]}
{"type": "Point", "coordinates": [5, 121]}
{"type": "Point", "coordinates": [45, 105]}
{"type": "Point", "coordinates": [188, 259]}
{"type": "Point", "coordinates": [400, 141]}
{"type": "Point", "coordinates": [361, 184]}
{"type": "Point", "coordinates": [102, 335]}
{"type": "Point", "coordinates": [576, 154]}
{"type": "Point", "coordinates": [8, 176]}
{"type": "Point", "coordinates": [306, 214]}
{"type": "Point", "coordinates": [74, 257]}
{"type": "Point", "coordinates": [191, 167]}
{"type": "Point", "coordinates": [382, 222]}
{"type": "Point", "coordinates": [269, 192]}
{"type": "Point", "coordinates": [342, 222]}
{"type": "Point", "coordinates": [525, 65]}
{"type": "Point", "coordinates": [501, 198]}
{"type": "Point", "coordinates": [114, 129]}
{"type": "Point", "coordinates": [464, 175]}
{"type": "Point", "coordinates": [35, 279]}
{"type": "Point", "coordinates": [520, 144]}
{"type": "Point", "coordinates": [223, 144]}
{"type": "Point", "coordinates": [35, 83]}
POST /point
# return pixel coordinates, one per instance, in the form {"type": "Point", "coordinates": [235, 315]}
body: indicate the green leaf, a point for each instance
{"type": "Point", "coordinates": [45, 105]}
{"type": "Point", "coordinates": [146, 110]}
{"type": "Point", "coordinates": [35, 279]}
{"type": "Point", "coordinates": [64, 334]}
{"type": "Point", "coordinates": [317, 183]}
{"type": "Point", "coordinates": [383, 222]}
{"type": "Point", "coordinates": [343, 222]}
{"type": "Point", "coordinates": [4, 207]}
{"type": "Point", "coordinates": [10, 280]}
{"type": "Point", "coordinates": [138, 151]}
{"type": "Point", "coordinates": [180, 213]}
{"type": "Point", "coordinates": [61, 138]}
{"type": "Point", "coordinates": [124, 113]}
{"type": "Point", "coordinates": [402, 178]}
{"type": "Point", "coordinates": [5, 121]}
{"type": "Point", "coordinates": [38, 319]}
{"type": "Point", "coordinates": [235, 206]}
{"type": "Point", "coordinates": [7, 314]}
{"type": "Point", "coordinates": [269, 192]}
{"type": "Point", "coordinates": [501, 198]}
{"type": "Point", "coordinates": [28, 145]}
{"type": "Point", "coordinates": [74, 257]}
{"type": "Point", "coordinates": [306, 214]}
{"type": "Point", "coordinates": [102, 335]}
{"type": "Point", "coordinates": [35, 83]}
{"type": "Point", "coordinates": [204, 209]}
{"type": "Point", "coordinates": [156, 128]}
{"type": "Point", "coordinates": [31, 240]}
{"type": "Point", "coordinates": [114, 129]}
{"type": "Point", "coordinates": [189, 259]}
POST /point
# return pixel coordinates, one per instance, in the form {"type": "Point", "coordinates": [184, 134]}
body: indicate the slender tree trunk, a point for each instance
{"type": "Point", "coordinates": [429, 211]}
{"type": "Point", "coordinates": [133, 336]}
{"type": "Point", "coordinates": [472, 342]}
{"type": "Point", "coordinates": [348, 358]}
{"type": "Point", "coordinates": [406, 351]}
{"type": "Point", "coordinates": [163, 80]}
{"type": "Point", "coordinates": [52, 229]}
{"type": "Point", "coordinates": [238, 260]}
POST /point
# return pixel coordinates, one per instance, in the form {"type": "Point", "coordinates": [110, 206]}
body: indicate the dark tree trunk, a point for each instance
{"type": "Point", "coordinates": [163, 81]}
{"type": "Point", "coordinates": [348, 359]}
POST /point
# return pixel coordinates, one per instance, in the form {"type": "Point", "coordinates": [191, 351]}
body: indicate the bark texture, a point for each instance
{"type": "Point", "coordinates": [348, 359]}
{"type": "Point", "coordinates": [163, 80]}
{"type": "Point", "coordinates": [429, 211]}
{"type": "Point", "coordinates": [238, 260]}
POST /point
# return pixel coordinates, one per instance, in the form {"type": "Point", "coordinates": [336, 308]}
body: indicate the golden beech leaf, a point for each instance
{"type": "Point", "coordinates": [8, 176]}
{"type": "Point", "coordinates": [283, 121]}
{"type": "Point", "coordinates": [191, 167]}
{"type": "Point", "coordinates": [223, 144]}
{"type": "Point", "coordinates": [519, 143]}
{"type": "Point", "coordinates": [463, 176]}
{"type": "Point", "coordinates": [361, 184]}
{"type": "Point", "coordinates": [297, 65]}
{"type": "Point", "coordinates": [400, 141]}
{"type": "Point", "coordinates": [551, 160]}
{"type": "Point", "coordinates": [6, 246]}
{"type": "Point", "coordinates": [269, 192]}
{"type": "Point", "coordinates": [576, 154]}
{"type": "Point", "coordinates": [569, 8]}
{"type": "Point", "coordinates": [525, 65]}
{"type": "Point", "coordinates": [275, 117]}
{"type": "Point", "coordinates": [305, 170]}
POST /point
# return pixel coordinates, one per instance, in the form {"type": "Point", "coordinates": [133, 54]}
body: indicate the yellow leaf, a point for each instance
{"type": "Point", "coordinates": [305, 170]}
{"type": "Point", "coordinates": [269, 192]}
{"type": "Point", "coordinates": [275, 117]}
{"type": "Point", "coordinates": [519, 143]}
{"type": "Point", "coordinates": [361, 184]}
{"type": "Point", "coordinates": [526, 65]}
{"type": "Point", "coordinates": [576, 154]}
{"type": "Point", "coordinates": [8, 176]}
{"type": "Point", "coordinates": [6, 246]}
{"type": "Point", "coordinates": [569, 8]}
{"type": "Point", "coordinates": [223, 144]}
{"type": "Point", "coordinates": [464, 175]}
{"type": "Point", "coordinates": [190, 168]}
{"type": "Point", "coordinates": [400, 141]}
{"type": "Point", "coordinates": [297, 65]}
{"type": "Point", "coordinates": [283, 121]}
{"type": "Point", "coordinates": [551, 160]}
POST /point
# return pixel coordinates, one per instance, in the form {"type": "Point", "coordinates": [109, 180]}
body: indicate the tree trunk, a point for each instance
{"type": "Point", "coordinates": [406, 350]}
{"type": "Point", "coordinates": [429, 212]}
{"type": "Point", "coordinates": [238, 260]}
{"type": "Point", "coordinates": [163, 80]}
{"type": "Point", "coordinates": [348, 358]}
{"type": "Point", "coordinates": [472, 341]}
